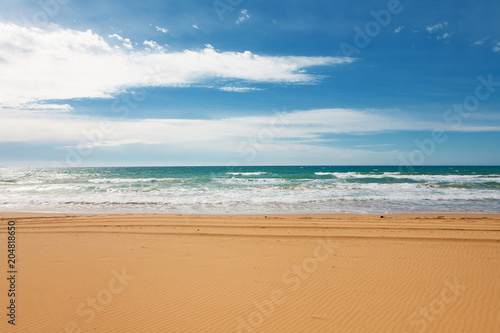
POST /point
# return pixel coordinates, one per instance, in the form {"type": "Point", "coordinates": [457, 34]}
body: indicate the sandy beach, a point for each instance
{"type": "Point", "coordinates": [253, 273]}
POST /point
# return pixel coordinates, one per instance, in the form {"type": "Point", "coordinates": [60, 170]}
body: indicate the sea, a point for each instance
{"type": "Point", "coordinates": [252, 189]}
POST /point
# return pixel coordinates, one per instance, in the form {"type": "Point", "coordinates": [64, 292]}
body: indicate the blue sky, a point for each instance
{"type": "Point", "coordinates": [91, 83]}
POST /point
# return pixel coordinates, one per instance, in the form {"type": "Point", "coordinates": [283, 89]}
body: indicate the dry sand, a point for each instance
{"type": "Point", "coordinates": [275, 273]}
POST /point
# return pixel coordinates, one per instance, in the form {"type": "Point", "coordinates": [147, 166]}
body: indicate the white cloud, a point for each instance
{"type": "Point", "coordinates": [196, 27]}
{"type": "Point", "coordinates": [243, 16]}
{"type": "Point", "coordinates": [238, 89]}
{"type": "Point", "coordinates": [438, 26]}
{"type": "Point", "coordinates": [37, 107]}
{"type": "Point", "coordinates": [153, 45]}
{"type": "Point", "coordinates": [288, 137]}
{"type": "Point", "coordinates": [398, 29]}
{"type": "Point", "coordinates": [303, 126]}
{"type": "Point", "coordinates": [164, 30]}
{"type": "Point", "coordinates": [126, 42]}
{"type": "Point", "coordinates": [56, 63]}
{"type": "Point", "coordinates": [496, 48]}
{"type": "Point", "coordinates": [378, 145]}
{"type": "Point", "coordinates": [94, 144]}
{"type": "Point", "coordinates": [443, 36]}
{"type": "Point", "coordinates": [116, 36]}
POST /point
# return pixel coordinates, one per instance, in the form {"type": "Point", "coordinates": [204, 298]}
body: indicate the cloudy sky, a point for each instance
{"type": "Point", "coordinates": [97, 83]}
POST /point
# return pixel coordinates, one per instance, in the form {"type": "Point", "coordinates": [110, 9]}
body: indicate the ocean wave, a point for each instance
{"type": "Point", "coordinates": [131, 180]}
{"type": "Point", "coordinates": [258, 173]}
{"type": "Point", "coordinates": [250, 181]}
{"type": "Point", "coordinates": [347, 175]}
{"type": "Point", "coordinates": [279, 189]}
{"type": "Point", "coordinates": [419, 178]}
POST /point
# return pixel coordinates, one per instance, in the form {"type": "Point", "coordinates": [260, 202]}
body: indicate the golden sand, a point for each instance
{"type": "Point", "coordinates": [253, 273]}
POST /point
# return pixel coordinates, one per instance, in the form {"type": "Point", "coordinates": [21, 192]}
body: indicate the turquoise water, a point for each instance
{"type": "Point", "coordinates": [255, 189]}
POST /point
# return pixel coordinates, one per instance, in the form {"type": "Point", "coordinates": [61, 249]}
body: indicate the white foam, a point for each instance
{"type": "Point", "coordinates": [87, 193]}
{"type": "Point", "coordinates": [420, 178]}
{"type": "Point", "coordinates": [250, 181]}
{"type": "Point", "coordinates": [246, 173]}
{"type": "Point", "coordinates": [128, 180]}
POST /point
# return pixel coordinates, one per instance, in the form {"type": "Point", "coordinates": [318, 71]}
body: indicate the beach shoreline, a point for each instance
{"type": "Point", "coordinates": [249, 189]}
{"type": "Point", "coordinates": [254, 273]}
